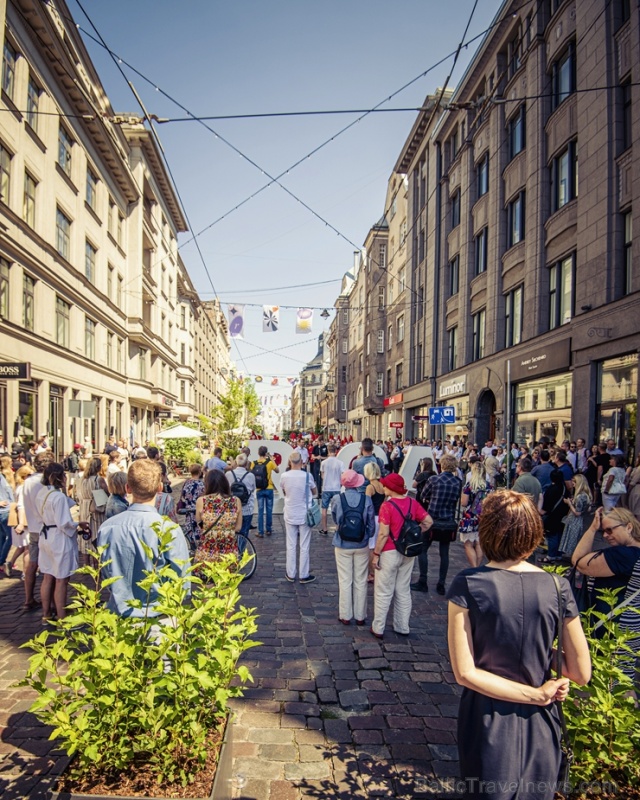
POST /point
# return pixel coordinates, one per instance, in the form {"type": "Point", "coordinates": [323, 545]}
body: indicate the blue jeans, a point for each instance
{"type": "Point", "coordinates": [5, 536]}
{"type": "Point", "coordinates": [265, 503]}
{"type": "Point", "coordinates": [553, 541]}
{"type": "Point", "coordinates": [246, 524]}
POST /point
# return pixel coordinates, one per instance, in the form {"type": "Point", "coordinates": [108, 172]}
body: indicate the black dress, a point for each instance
{"type": "Point", "coordinates": [510, 751]}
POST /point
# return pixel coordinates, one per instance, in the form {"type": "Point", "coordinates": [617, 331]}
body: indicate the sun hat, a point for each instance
{"type": "Point", "coordinates": [394, 483]}
{"type": "Point", "coordinates": [351, 479]}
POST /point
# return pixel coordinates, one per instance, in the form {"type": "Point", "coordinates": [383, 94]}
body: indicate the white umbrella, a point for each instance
{"type": "Point", "coordinates": [179, 432]}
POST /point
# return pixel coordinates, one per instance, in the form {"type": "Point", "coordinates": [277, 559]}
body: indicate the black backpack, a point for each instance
{"type": "Point", "coordinates": [410, 541]}
{"type": "Point", "coordinates": [70, 463]}
{"type": "Point", "coordinates": [239, 488]}
{"type": "Point", "coordinates": [261, 474]}
{"type": "Point", "coordinates": [352, 527]}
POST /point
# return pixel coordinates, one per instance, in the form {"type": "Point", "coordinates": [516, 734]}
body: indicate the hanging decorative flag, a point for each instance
{"type": "Point", "coordinates": [236, 321]}
{"type": "Point", "coordinates": [271, 401]}
{"type": "Point", "coordinates": [304, 320]}
{"type": "Point", "coordinates": [258, 379]}
{"type": "Point", "coordinates": [292, 381]}
{"type": "Point", "coordinates": [270, 319]}
{"type": "Point", "coordinates": [274, 381]}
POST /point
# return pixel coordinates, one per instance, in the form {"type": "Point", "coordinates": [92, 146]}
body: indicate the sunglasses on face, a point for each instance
{"type": "Point", "coordinates": [610, 530]}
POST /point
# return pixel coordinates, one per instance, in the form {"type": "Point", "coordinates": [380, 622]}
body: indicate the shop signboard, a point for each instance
{"type": "Point", "coordinates": [452, 387]}
{"type": "Point", "coordinates": [541, 361]}
{"type": "Point", "coordinates": [393, 400]}
{"type": "Point", "coordinates": [396, 424]}
{"type": "Point", "coordinates": [15, 371]}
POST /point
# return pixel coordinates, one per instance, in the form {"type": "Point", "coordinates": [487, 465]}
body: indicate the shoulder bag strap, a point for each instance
{"type": "Point", "coordinates": [558, 666]}
{"type": "Point", "coordinates": [306, 489]}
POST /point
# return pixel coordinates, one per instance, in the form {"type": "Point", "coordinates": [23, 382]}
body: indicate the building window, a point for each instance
{"type": "Point", "coordinates": [119, 358]}
{"type": "Point", "coordinates": [627, 122]}
{"type": "Point", "coordinates": [89, 338]}
{"type": "Point", "coordinates": [28, 301]}
{"type": "Point", "coordinates": [119, 292]}
{"type": "Point", "coordinates": [5, 174]}
{"type": "Point", "coordinates": [110, 272]}
{"type": "Point", "coordinates": [454, 276]}
{"type": "Point", "coordinates": [4, 288]}
{"type": "Point", "coordinates": [90, 262]}
{"type": "Point", "coordinates": [564, 177]}
{"type": "Point", "coordinates": [111, 218]}
{"type": "Point", "coordinates": [515, 220]}
{"type": "Point", "coordinates": [403, 233]}
{"type": "Point", "coordinates": [109, 350]}
{"type": "Point", "coordinates": [452, 353]}
{"type": "Point", "coordinates": [380, 348]}
{"type": "Point", "coordinates": [9, 58]}
{"type": "Point", "coordinates": [345, 346]}
{"type": "Point", "coordinates": [91, 195]}
{"type": "Point", "coordinates": [628, 234]}
{"type": "Point", "coordinates": [183, 317]}
{"type": "Point", "coordinates": [513, 310]}
{"type": "Point", "coordinates": [142, 364]}
{"type": "Point", "coordinates": [517, 133]}
{"type": "Point", "coordinates": [29, 200]}
{"type": "Point", "coordinates": [515, 54]}
{"type": "Point", "coordinates": [382, 255]}
{"type": "Point", "coordinates": [120, 231]}
{"type": "Point", "coordinates": [65, 143]}
{"type": "Point", "coordinates": [389, 337]}
{"type": "Point", "coordinates": [368, 344]}
{"type": "Point", "coordinates": [420, 303]}
{"type": "Point", "coordinates": [367, 386]}
{"type": "Point", "coordinates": [343, 404]}
{"type": "Point", "coordinates": [400, 325]}
{"type": "Point", "coordinates": [379, 384]}
{"type": "Point", "coordinates": [477, 343]}
{"type": "Point", "coordinates": [483, 176]}
{"type": "Point", "coordinates": [455, 142]}
{"type": "Point", "coordinates": [63, 234]}
{"type": "Point", "coordinates": [399, 381]}
{"type": "Point", "coordinates": [183, 392]}
{"type": "Point", "coordinates": [561, 281]}
{"type": "Point", "coordinates": [33, 103]}
{"type": "Point", "coordinates": [563, 76]}
{"type": "Point", "coordinates": [345, 316]}
{"type": "Point", "coordinates": [481, 251]}
{"type": "Point", "coordinates": [343, 374]}
{"type": "Point", "coordinates": [455, 210]}
{"type": "Point", "coordinates": [380, 297]}
{"type": "Point", "coordinates": [63, 311]}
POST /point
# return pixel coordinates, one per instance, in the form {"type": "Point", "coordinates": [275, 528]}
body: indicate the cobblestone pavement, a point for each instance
{"type": "Point", "coordinates": [332, 711]}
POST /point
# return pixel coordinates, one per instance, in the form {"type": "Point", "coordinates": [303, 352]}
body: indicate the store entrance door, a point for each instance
{"type": "Point", "coordinates": [619, 423]}
{"type": "Point", "coordinates": [485, 417]}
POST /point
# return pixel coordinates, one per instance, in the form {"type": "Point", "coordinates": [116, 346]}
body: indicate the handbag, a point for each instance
{"type": "Point", "coordinates": [314, 514]}
{"type": "Point", "coordinates": [566, 760]}
{"type": "Point", "coordinates": [12, 519]}
{"type": "Point", "coordinates": [580, 588]}
{"type": "Point", "coordinates": [100, 498]}
{"type": "Point", "coordinates": [444, 530]}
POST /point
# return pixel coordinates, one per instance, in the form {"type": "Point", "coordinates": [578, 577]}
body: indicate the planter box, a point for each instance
{"type": "Point", "coordinates": [221, 789]}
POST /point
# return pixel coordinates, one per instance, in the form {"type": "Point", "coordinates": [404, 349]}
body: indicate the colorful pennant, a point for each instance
{"type": "Point", "coordinates": [270, 319]}
{"type": "Point", "coordinates": [236, 321]}
{"type": "Point", "coordinates": [304, 320]}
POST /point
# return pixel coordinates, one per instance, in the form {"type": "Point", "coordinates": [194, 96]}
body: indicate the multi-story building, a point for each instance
{"type": "Point", "coordinates": [213, 365]}
{"type": "Point", "coordinates": [524, 300]}
{"type": "Point", "coordinates": [91, 284]}
{"type": "Point", "coordinates": [312, 380]}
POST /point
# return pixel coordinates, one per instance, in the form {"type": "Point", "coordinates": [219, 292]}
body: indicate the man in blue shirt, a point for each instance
{"type": "Point", "coordinates": [543, 470]}
{"type": "Point", "coordinates": [216, 462]}
{"type": "Point", "coordinates": [565, 468]}
{"type": "Point", "coordinates": [367, 456]}
{"type": "Point", "coordinates": [124, 535]}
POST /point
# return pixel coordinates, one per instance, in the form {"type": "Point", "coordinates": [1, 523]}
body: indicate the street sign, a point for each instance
{"type": "Point", "coordinates": [442, 415]}
{"type": "Point", "coordinates": [396, 424]}
{"type": "Point", "coordinates": [20, 371]}
{"type": "Point", "coordinates": [419, 417]}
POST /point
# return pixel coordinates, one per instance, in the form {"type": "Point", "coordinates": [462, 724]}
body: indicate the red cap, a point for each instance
{"type": "Point", "coordinates": [394, 483]}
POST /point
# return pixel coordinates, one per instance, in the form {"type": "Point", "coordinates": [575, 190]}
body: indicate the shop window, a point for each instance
{"type": "Point", "coordinates": [516, 128]}
{"type": "Point", "coordinates": [563, 76]}
{"type": "Point", "coordinates": [561, 292]}
{"type": "Point", "coordinates": [564, 177]}
{"type": "Point", "coordinates": [515, 220]}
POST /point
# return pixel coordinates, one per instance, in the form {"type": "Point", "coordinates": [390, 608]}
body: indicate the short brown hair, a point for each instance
{"type": "Point", "coordinates": [144, 479]}
{"type": "Point", "coordinates": [117, 483]}
{"type": "Point", "coordinates": [510, 526]}
{"type": "Point", "coordinates": [448, 463]}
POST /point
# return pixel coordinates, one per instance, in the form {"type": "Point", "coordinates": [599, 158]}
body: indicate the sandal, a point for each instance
{"type": "Point", "coordinates": [31, 605]}
{"type": "Point", "coordinates": [323, 532]}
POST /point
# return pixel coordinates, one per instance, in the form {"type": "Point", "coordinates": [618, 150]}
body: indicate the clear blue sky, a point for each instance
{"type": "Point", "coordinates": [255, 56]}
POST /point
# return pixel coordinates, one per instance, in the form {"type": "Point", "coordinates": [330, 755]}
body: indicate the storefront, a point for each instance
{"type": "Point", "coordinates": [56, 411]}
{"type": "Point", "coordinates": [28, 423]}
{"type": "Point", "coordinates": [542, 404]}
{"type": "Point", "coordinates": [618, 403]}
{"type": "Point", "coordinates": [393, 409]}
{"type": "Point", "coordinates": [453, 392]}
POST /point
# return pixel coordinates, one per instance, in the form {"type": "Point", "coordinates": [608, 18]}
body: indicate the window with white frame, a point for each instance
{"type": "Point", "coordinates": [513, 310]}
{"type": "Point", "coordinates": [561, 288]}
{"type": "Point", "coordinates": [382, 255]}
{"type": "Point", "coordinates": [29, 200]}
{"type": "Point", "coordinates": [380, 348]}
{"type": "Point", "coordinates": [379, 384]}
{"type": "Point", "coordinates": [400, 328]}
{"type": "Point", "coordinates": [65, 144]}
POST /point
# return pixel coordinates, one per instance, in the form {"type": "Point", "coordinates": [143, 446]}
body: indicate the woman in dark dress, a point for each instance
{"type": "Point", "coordinates": [503, 619]}
{"type": "Point", "coordinates": [553, 510]}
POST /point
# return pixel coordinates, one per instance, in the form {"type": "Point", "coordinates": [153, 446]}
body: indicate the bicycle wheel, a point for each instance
{"type": "Point", "coordinates": [245, 545]}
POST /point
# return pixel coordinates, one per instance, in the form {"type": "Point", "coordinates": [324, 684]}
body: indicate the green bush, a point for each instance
{"type": "Point", "coordinates": [118, 694]}
{"type": "Point", "coordinates": [193, 457]}
{"type": "Point", "coordinates": [179, 449]}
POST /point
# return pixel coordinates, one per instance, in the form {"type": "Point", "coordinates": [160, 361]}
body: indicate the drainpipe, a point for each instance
{"type": "Point", "coordinates": [436, 288]}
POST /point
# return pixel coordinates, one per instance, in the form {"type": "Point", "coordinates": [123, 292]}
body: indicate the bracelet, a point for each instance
{"type": "Point", "coordinates": [376, 554]}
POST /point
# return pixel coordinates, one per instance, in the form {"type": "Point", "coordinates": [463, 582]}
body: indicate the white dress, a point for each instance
{"type": "Point", "coordinates": [58, 555]}
{"type": "Point", "coordinates": [19, 539]}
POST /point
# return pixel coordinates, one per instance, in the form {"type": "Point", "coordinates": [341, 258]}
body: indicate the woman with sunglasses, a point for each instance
{"type": "Point", "coordinates": [612, 566]}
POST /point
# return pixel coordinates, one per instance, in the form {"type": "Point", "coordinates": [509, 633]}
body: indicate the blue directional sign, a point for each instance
{"type": "Point", "coordinates": [442, 415]}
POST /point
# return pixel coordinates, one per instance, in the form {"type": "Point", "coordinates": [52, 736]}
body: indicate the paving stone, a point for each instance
{"type": "Point", "coordinates": [293, 721]}
{"type": "Point", "coordinates": [434, 736]}
{"type": "Point", "coordinates": [309, 752]}
{"type": "Point", "coordinates": [410, 752]}
{"type": "Point", "coordinates": [374, 663]}
{"type": "Point", "coordinates": [308, 709]}
{"type": "Point", "coordinates": [368, 674]}
{"type": "Point", "coordinates": [368, 736]}
{"type": "Point", "coordinates": [313, 723]}
{"type": "Point", "coordinates": [285, 695]}
{"type": "Point", "coordinates": [269, 736]}
{"type": "Point", "coordinates": [327, 696]}
{"type": "Point", "coordinates": [382, 698]}
{"type": "Point", "coordinates": [405, 722]}
{"type": "Point", "coordinates": [374, 686]}
{"type": "Point", "coordinates": [367, 723]}
{"type": "Point", "coordinates": [403, 735]}
{"type": "Point", "coordinates": [355, 699]}
{"type": "Point", "coordinates": [307, 771]}
{"type": "Point", "coordinates": [278, 752]}
{"type": "Point", "coordinates": [282, 790]}
{"type": "Point", "coordinates": [301, 685]}
{"type": "Point", "coordinates": [444, 752]}
{"type": "Point", "coordinates": [255, 789]}
{"type": "Point", "coordinates": [337, 730]}
{"type": "Point", "coordinates": [259, 768]}
{"type": "Point", "coordinates": [342, 685]}
{"type": "Point", "coordinates": [309, 737]}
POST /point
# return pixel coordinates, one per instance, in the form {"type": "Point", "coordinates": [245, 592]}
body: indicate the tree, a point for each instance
{"type": "Point", "coordinates": [236, 415]}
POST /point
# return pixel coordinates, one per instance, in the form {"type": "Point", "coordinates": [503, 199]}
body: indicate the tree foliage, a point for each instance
{"type": "Point", "coordinates": [236, 414]}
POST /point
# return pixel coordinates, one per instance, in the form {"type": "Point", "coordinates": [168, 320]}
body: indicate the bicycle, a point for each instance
{"type": "Point", "coordinates": [245, 545]}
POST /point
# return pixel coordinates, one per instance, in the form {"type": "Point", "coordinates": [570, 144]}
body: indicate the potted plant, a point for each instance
{"type": "Point", "coordinates": [140, 703]}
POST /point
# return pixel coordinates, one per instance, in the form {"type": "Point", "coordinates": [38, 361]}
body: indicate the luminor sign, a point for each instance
{"type": "Point", "coordinates": [453, 387]}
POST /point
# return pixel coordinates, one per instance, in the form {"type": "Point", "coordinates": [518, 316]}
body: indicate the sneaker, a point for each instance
{"type": "Point", "coordinates": [291, 580]}
{"type": "Point", "coordinates": [419, 587]}
{"type": "Point", "coordinates": [308, 579]}
{"type": "Point", "coordinates": [268, 533]}
{"type": "Point", "coordinates": [7, 569]}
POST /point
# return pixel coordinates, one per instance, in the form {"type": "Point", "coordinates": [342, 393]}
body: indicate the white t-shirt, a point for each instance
{"type": "Point", "coordinates": [293, 487]}
{"type": "Point", "coordinates": [30, 489]}
{"type": "Point", "coordinates": [304, 454]}
{"type": "Point", "coordinates": [331, 470]}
